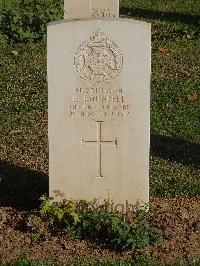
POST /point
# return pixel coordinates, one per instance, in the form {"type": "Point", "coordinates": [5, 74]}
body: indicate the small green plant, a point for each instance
{"type": "Point", "coordinates": [182, 30]}
{"type": "Point", "coordinates": [82, 218]}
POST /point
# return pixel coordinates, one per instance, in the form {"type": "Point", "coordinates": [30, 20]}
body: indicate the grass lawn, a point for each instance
{"type": "Point", "coordinates": [175, 107]}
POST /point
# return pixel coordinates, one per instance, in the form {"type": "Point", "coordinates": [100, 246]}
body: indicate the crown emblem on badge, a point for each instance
{"type": "Point", "coordinates": [98, 59]}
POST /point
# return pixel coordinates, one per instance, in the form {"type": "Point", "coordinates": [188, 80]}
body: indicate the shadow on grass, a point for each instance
{"type": "Point", "coordinates": [168, 148]}
{"type": "Point", "coordinates": [151, 14]}
{"type": "Point", "coordinates": [21, 187]}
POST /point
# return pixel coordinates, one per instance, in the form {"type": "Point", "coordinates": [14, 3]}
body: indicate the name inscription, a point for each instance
{"type": "Point", "coordinates": [98, 102]}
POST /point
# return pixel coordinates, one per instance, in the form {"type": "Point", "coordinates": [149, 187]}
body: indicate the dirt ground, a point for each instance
{"type": "Point", "coordinates": [176, 219]}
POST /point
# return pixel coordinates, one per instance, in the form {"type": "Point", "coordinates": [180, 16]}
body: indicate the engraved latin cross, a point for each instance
{"type": "Point", "coordinates": [99, 143]}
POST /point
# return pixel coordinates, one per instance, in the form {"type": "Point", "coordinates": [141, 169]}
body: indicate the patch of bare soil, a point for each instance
{"type": "Point", "coordinates": [178, 220]}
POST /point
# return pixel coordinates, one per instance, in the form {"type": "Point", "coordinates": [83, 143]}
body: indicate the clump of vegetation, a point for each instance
{"type": "Point", "coordinates": [88, 219]}
{"type": "Point", "coordinates": [26, 20]}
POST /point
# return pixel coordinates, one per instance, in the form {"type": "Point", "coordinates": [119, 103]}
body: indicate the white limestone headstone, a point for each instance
{"type": "Point", "coordinates": [99, 109]}
{"type": "Point", "coordinates": [91, 8]}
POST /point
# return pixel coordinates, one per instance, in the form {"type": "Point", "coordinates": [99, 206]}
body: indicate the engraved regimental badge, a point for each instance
{"type": "Point", "coordinates": [98, 59]}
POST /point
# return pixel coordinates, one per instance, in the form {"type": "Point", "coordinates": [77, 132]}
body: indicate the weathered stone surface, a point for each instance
{"type": "Point", "coordinates": [91, 8]}
{"type": "Point", "coordinates": [99, 109]}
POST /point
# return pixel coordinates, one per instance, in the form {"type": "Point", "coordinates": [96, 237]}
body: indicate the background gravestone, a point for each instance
{"type": "Point", "coordinates": [99, 95]}
{"type": "Point", "coordinates": [91, 8]}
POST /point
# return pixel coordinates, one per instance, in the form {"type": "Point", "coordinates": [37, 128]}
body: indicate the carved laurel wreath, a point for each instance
{"type": "Point", "coordinates": [98, 59]}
